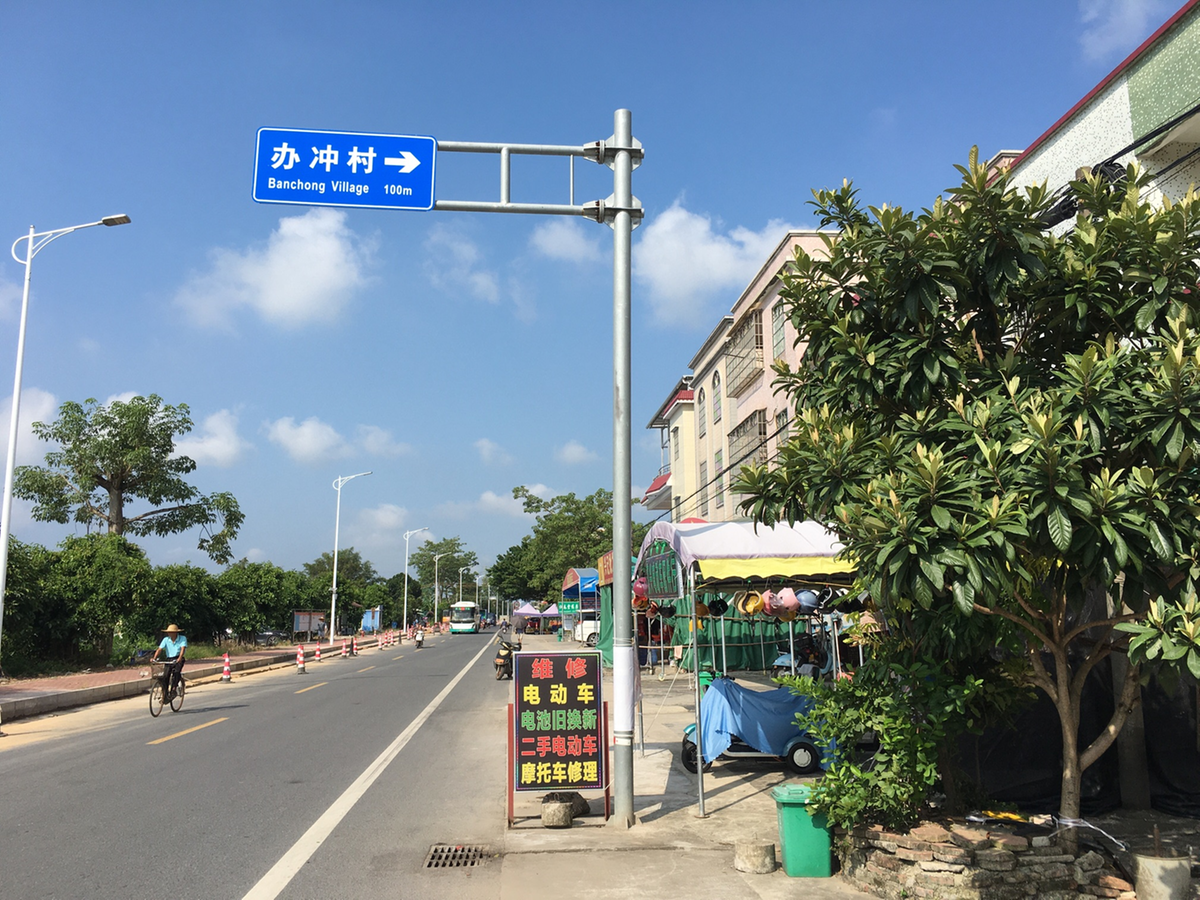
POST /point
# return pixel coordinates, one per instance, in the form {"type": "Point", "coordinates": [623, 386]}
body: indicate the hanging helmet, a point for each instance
{"type": "Point", "coordinates": [640, 587]}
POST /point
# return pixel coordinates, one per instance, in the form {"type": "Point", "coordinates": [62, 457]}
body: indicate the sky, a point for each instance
{"type": "Point", "coordinates": [457, 355]}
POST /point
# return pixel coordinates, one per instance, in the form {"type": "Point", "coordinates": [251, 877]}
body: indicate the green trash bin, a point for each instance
{"type": "Point", "coordinates": [802, 833]}
{"type": "Point", "coordinates": [706, 678]}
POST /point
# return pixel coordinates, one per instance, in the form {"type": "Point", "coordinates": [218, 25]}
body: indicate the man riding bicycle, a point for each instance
{"type": "Point", "coordinates": [175, 644]}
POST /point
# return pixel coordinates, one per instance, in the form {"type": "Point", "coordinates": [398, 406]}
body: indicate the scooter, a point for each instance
{"type": "Point", "coordinates": [504, 659]}
{"type": "Point", "coordinates": [420, 639]}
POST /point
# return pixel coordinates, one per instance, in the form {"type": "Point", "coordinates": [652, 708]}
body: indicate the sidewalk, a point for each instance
{"type": "Point", "coordinates": [670, 852]}
{"type": "Point", "coordinates": [24, 697]}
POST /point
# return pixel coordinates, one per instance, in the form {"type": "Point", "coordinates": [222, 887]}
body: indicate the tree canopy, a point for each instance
{"type": "Point", "coordinates": [568, 532]}
{"type": "Point", "coordinates": [453, 556]}
{"type": "Point", "coordinates": [999, 420]}
{"type": "Point", "coordinates": [113, 454]}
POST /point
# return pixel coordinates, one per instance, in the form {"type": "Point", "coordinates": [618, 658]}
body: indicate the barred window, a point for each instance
{"type": "Point", "coordinates": [748, 442]}
{"type": "Point", "coordinates": [716, 389]}
{"type": "Point", "coordinates": [703, 489]}
{"type": "Point", "coordinates": [743, 358]}
{"type": "Point", "coordinates": [781, 427]}
{"type": "Point", "coordinates": [701, 420]}
{"type": "Point", "coordinates": [718, 463]}
{"type": "Point", "coordinates": [778, 318]}
{"type": "Point", "coordinates": [675, 442]}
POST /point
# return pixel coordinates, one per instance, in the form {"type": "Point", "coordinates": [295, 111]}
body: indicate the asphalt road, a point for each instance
{"type": "Point", "coordinates": [96, 805]}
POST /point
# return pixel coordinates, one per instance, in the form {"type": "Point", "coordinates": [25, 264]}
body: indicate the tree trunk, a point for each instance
{"type": "Point", "coordinates": [116, 511]}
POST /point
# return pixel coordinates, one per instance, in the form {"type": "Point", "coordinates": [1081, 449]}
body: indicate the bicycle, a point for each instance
{"type": "Point", "coordinates": [160, 692]}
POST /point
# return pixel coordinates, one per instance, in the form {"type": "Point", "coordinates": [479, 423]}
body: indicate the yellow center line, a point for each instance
{"type": "Point", "coordinates": [311, 686]}
{"type": "Point", "coordinates": [394, 658]}
{"type": "Point", "coordinates": [171, 737]}
{"type": "Point", "coordinates": [367, 669]}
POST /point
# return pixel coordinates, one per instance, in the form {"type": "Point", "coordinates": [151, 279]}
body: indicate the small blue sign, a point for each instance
{"type": "Point", "coordinates": [339, 168]}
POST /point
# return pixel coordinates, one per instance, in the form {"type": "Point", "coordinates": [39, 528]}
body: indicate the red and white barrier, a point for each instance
{"type": "Point", "coordinates": [225, 675]}
{"type": "Point", "coordinates": [354, 646]}
{"type": "Point", "coordinates": [317, 658]}
{"type": "Point", "coordinates": [300, 660]}
{"type": "Point", "coordinates": [345, 649]}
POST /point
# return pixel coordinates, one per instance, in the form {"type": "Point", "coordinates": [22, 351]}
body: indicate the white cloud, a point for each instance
{"type": "Point", "coordinates": [311, 441]}
{"type": "Point", "coordinates": [565, 239]}
{"type": "Point", "coordinates": [685, 262]}
{"type": "Point", "coordinates": [307, 272]}
{"type": "Point", "coordinates": [123, 397]}
{"type": "Point", "coordinates": [492, 453]}
{"type": "Point", "coordinates": [1116, 27]}
{"type": "Point", "coordinates": [490, 502]}
{"type": "Point", "coordinates": [218, 442]}
{"type": "Point", "coordinates": [454, 265]}
{"type": "Point", "coordinates": [10, 298]}
{"type": "Point", "coordinates": [254, 554]}
{"type": "Point", "coordinates": [574, 453]}
{"type": "Point", "coordinates": [378, 442]}
{"type": "Point", "coordinates": [36, 406]}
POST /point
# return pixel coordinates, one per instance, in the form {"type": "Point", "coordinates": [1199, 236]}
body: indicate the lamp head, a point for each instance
{"type": "Point", "coordinates": [121, 219]}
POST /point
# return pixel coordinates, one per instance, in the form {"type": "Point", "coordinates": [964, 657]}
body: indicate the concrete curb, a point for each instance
{"type": "Point", "coordinates": [25, 707]}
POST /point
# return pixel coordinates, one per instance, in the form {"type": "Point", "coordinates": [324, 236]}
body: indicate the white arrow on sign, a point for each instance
{"type": "Point", "coordinates": [406, 161]}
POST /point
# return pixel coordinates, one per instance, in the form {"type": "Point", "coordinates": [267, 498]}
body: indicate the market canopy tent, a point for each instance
{"type": "Point", "coordinates": [735, 553]}
{"type": "Point", "coordinates": [527, 611]}
{"type": "Point", "coordinates": [580, 590]}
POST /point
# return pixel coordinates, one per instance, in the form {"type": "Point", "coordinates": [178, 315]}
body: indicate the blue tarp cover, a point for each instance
{"type": "Point", "coordinates": [766, 720]}
{"type": "Point", "coordinates": [581, 583]}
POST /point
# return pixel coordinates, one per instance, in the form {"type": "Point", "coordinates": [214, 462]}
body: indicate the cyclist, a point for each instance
{"type": "Point", "coordinates": [175, 644]}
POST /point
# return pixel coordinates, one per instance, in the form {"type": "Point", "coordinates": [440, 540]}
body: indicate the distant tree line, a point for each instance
{"type": "Point", "coordinates": [97, 599]}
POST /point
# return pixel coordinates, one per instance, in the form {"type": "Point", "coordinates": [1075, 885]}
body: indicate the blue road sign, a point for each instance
{"type": "Point", "coordinates": [339, 168]}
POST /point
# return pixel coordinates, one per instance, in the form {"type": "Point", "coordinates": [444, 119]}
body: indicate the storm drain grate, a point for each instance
{"type": "Point", "coordinates": [455, 856]}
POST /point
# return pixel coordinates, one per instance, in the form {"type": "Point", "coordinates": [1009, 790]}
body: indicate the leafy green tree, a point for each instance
{"type": "Point", "coordinates": [393, 607]}
{"type": "Point", "coordinates": [997, 420]}
{"type": "Point", "coordinates": [181, 594]}
{"type": "Point", "coordinates": [254, 597]}
{"type": "Point", "coordinates": [568, 532]}
{"type": "Point", "coordinates": [102, 579]}
{"type": "Point", "coordinates": [114, 454]}
{"type": "Point", "coordinates": [454, 556]}
{"type": "Point", "coordinates": [355, 576]}
{"type": "Point", "coordinates": [38, 624]}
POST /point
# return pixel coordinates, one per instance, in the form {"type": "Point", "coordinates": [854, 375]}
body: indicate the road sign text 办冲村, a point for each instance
{"type": "Point", "coordinates": [558, 730]}
{"type": "Point", "coordinates": [337, 168]}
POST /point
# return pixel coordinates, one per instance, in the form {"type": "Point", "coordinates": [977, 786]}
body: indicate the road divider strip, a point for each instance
{"type": "Point", "coordinates": [312, 686]}
{"type": "Point", "coordinates": [280, 875]}
{"type": "Point", "coordinates": [171, 737]}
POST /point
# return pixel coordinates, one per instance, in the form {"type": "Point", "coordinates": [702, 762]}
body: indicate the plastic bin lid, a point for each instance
{"type": "Point", "coordinates": [792, 793]}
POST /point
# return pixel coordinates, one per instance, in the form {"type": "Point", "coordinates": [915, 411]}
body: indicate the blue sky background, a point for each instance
{"type": "Point", "coordinates": [454, 354]}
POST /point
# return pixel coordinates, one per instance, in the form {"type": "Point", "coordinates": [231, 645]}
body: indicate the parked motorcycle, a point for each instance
{"type": "Point", "coordinates": [504, 656]}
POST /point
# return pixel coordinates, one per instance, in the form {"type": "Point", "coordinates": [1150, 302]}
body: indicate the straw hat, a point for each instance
{"type": "Point", "coordinates": [172, 629]}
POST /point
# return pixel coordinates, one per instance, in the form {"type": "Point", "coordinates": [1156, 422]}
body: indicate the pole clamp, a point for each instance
{"type": "Point", "coordinates": [605, 211]}
{"type": "Point", "coordinates": [605, 152]}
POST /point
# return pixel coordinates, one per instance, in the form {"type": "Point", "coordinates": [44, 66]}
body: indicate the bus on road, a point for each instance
{"type": "Point", "coordinates": [464, 617]}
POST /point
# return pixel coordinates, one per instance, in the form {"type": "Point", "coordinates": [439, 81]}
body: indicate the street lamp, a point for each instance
{"type": "Point", "coordinates": [436, 620]}
{"type": "Point", "coordinates": [337, 518]}
{"type": "Point", "coordinates": [460, 571]}
{"type": "Point", "coordinates": [35, 241]}
{"type": "Point", "coordinates": [407, 535]}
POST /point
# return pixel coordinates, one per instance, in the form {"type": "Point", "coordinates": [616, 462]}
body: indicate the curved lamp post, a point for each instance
{"type": "Point", "coordinates": [460, 571]}
{"type": "Point", "coordinates": [337, 518]}
{"type": "Point", "coordinates": [34, 242]}
{"type": "Point", "coordinates": [407, 535]}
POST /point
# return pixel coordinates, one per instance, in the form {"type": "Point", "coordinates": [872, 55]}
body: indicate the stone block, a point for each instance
{"type": "Point", "coordinates": [1090, 861]}
{"type": "Point", "coordinates": [996, 860]}
{"type": "Point", "coordinates": [1041, 840]}
{"type": "Point", "coordinates": [909, 843]}
{"type": "Point", "coordinates": [889, 846]}
{"type": "Point", "coordinates": [938, 866]}
{"type": "Point", "coordinates": [755, 857]}
{"type": "Point", "coordinates": [1005, 841]}
{"type": "Point", "coordinates": [557, 815]}
{"type": "Point", "coordinates": [1016, 876]}
{"type": "Point", "coordinates": [942, 879]}
{"type": "Point", "coordinates": [914, 855]}
{"type": "Point", "coordinates": [971, 838]}
{"type": "Point", "coordinates": [930, 832]}
{"type": "Point", "coordinates": [1112, 881]}
{"type": "Point", "coordinates": [1097, 891]}
{"type": "Point", "coordinates": [1035, 859]}
{"type": "Point", "coordinates": [951, 854]}
{"type": "Point", "coordinates": [887, 861]}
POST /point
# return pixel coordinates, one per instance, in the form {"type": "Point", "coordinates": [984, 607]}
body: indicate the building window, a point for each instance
{"type": "Point", "coordinates": [701, 419]}
{"type": "Point", "coordinates": [718, 461]}
{"type": "Point", "coordinates": [743, 359]}
{"type": "Point", "coordinates": [716, 388]}
{"type": "Point", "coordinates": [781, 427]}
{"type": "Point", "coordinates": [778, 317]}
{"type": "Point", "coordinates": [675, 442]}
{"type": "Point", "coordinates": [678, 510]}
{"type": "Point", "coordinates": [704, 490]}
{"type": "Point", "coordinates": [748, 442]}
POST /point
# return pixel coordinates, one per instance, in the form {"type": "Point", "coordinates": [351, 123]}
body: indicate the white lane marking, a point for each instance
{"type": "Point", "coordinates": [280, 875]}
